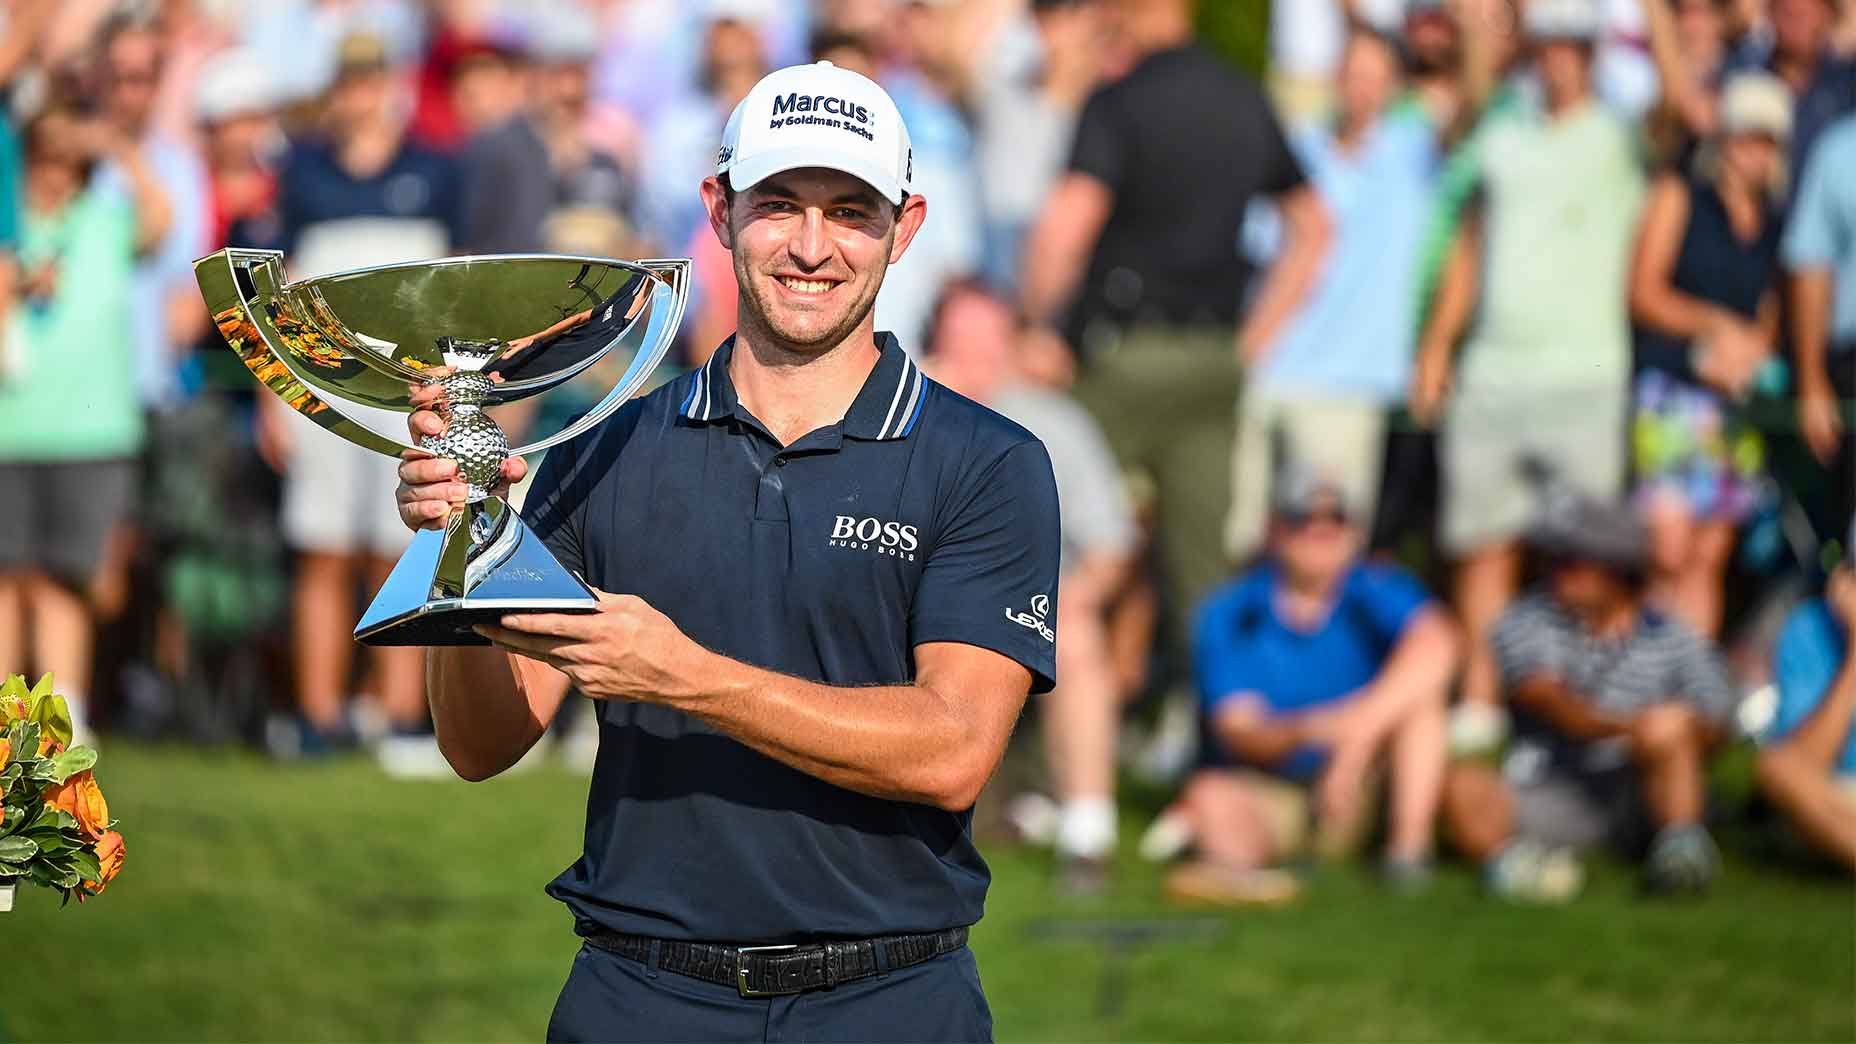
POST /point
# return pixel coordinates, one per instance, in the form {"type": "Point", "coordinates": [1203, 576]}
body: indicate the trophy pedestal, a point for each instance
{"type": "Point", "coordinates": [486, 562]}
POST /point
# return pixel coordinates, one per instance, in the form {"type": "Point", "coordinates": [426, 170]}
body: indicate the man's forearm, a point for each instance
{"type": "Point", "coordinates": [914, 743]}
{"type": "Point", "coordinates": [1811, 299]}
{"type": "Point", "coordinates": [1567, 712]}
{"type": "Point", "coordinates": [1290, 279]}
{"type": "Point", "coordinates": [488, 706]}
{"type": "Point", "coordinates": [1418, 671]}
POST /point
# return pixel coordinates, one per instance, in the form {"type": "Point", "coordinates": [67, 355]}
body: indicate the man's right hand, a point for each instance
{"type": "Point", "coordinates": [1818, 419]}
{"type": "Point", "coordinates": [430, 487]}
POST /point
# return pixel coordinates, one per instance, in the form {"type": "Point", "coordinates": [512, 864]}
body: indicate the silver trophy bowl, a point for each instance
{"type": "Point", "coordinates": [356, 351]}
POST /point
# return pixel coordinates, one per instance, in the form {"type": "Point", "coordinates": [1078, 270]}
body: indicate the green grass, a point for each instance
{"type": "Point", "coordinates": [324, 902]}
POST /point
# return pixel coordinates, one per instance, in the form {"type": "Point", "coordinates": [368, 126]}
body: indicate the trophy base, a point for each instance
{"type": "Point", "coordinates": [486, 562]}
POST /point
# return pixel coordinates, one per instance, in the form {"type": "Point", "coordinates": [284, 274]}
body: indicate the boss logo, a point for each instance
{"type": "Point", "coordinates": [874, 534]}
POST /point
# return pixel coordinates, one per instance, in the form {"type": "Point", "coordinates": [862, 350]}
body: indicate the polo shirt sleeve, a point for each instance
{"type": "Point", "coordinates": [1804, 663]}
{"type": "Point", "coordinates": [1222, 659]}
{"type": "Point", "coordinates": [990, 580]}
{"type": "Point", "coordinates": [1275, 158]}
{"type": "Point", "coordinates": [1701, 679]}
{"type": "Point", "coordinates": [1391, 598]}
{"type": "Point", "coordinates": [1811, 235]}
{"type": "Point", "coordinates": [1526, 643]}
{"type": "Point", "coordinates": [1102, 143]}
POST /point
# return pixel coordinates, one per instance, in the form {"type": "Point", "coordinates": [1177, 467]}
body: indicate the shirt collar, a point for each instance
{"type": "Point", "coordinates": [887, 406]}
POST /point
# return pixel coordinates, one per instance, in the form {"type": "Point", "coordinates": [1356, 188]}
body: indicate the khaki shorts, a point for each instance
{"type": "Point", "coordinates": [340, 498]}
{"type": "Point", "coordinates": [1341, 440]}
{"type": "Point", "coordinates": [1289, 815]}
{"type": "Point", "coordinates": [1490, 436]}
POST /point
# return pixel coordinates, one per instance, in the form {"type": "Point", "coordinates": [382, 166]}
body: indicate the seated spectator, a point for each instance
{"type": "Point", "coordinates": [1615, 708]}
{"type": "Point", "coordinates": [1705, 301]}
{"type": "Point", "coordinates": [1318, 674]}
{"type": "Point", "coordinates": [1808, 768]}
{"type": "Point", "coordinates": [977, 348]}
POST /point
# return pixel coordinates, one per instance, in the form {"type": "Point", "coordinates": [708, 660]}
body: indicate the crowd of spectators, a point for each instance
{"type": "Point", "coordinates": [1454, 417]}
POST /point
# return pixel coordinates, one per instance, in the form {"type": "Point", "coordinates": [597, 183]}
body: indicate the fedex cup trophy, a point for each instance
{"type": "Point", "coordinates": [356, 351]}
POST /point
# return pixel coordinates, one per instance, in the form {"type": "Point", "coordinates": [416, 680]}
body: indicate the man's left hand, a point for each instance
{"type": "Point", "coordinates": [627, 650]}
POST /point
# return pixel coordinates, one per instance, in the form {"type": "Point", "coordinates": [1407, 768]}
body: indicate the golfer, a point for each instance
{"type": "Point", "coordinates": [833, 584]}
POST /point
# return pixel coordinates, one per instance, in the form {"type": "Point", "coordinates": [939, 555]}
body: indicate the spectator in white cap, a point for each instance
{"type": "Point", "coordinates": [840, 587]}
{"type": "Point", "coordinates": [1544, 368]}
{"type": "Point", "coordinates": [1704, 296]}
{"type": "Point", "coordinates": [235, 103]}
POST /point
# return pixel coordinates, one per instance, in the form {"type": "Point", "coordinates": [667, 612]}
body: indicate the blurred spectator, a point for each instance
{"type": "Point", "coordinates": [1307, 40]}
{"type": "Point", "coordinates": [1138, 243]}
{"type": "Point", "coordinates": [241, 144]}
{"type": "Point", "coordinates": [1799, 50]}
{"type": "Point", "coordinates": [166, 314]}
{"type": "Point", "coordinates": [361, 195]}
{"type": "Point", "coordinates": [1433, 50]}
{"type": "Point", "coordinates": [1327, 380]}
{"type": "Point", "coordinates": [1615, 706]}
{"type": "Point", "coordinates": [1541, 267]}
{"type": "Point", "coordinates": [1820, 251]}
{"type": "Point", "coordinates": [1704, 295]}
{"type": "Point", "coordinates": [71, 423]}
{"type": "Point", "coordinates": [1689, 40]}
{"type": "Point", "coordinates": [978, 348]}
{"type": "Point", "coordinates": [299, 41]}
{"type": "Point", "coordinates": [1025, 119]}
{"type": "Point", "coordinates": [1320, 674]}
{"type": "Point", "coordinates": [1808, 768]}
{"type": "Point", "coordinates": [940, 42]}
{"type": "Point", "coordinates": [507, 196]}
{"type": "Point", "coordinates": [680, 146]}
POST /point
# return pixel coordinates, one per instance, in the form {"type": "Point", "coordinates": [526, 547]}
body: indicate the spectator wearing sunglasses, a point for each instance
{"type": "Point", "coordinates": [1321, 676]}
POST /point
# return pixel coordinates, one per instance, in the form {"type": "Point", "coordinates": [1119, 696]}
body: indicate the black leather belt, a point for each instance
{"type": "Point", "coordinates": [772, 971]}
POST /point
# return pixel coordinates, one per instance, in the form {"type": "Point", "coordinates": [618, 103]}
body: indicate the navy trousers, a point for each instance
{"type": "Point", "coordinates": [612, 998]}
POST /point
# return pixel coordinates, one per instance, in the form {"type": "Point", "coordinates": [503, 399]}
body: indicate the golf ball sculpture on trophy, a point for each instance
{"type": "Point", "coordinates": [356, 351]}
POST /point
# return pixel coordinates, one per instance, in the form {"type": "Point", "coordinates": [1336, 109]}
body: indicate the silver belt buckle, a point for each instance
{"type": "Point", "coordinates": [741, 969]}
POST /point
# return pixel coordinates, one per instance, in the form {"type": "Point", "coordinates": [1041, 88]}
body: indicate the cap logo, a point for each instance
{"type": "Point", "coordinates": [727, 153]}
{"type": "Point", "coordinates": [797, 110]}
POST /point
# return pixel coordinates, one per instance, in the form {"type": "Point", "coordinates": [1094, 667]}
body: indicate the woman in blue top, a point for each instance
{"type": "Point", "coordinates": [1704, 300]}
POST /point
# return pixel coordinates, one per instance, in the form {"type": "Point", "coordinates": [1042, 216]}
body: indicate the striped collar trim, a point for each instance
{"type": "Point", "coordinates": [889, 405]}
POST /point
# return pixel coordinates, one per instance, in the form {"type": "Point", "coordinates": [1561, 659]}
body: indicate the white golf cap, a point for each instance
{"type": "Point", "coordinates": [818, 116]}
{"type": "Point", "coordinates": [1757, 103]}
{"type": "Point", "coordinates": [1564, 20]}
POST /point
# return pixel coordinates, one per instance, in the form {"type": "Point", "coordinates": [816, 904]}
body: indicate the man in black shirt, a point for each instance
{"type": "Point", "coordinates": [1136, 254]}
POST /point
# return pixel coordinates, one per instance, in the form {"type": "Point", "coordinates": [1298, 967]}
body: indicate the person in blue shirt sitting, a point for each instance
{"type": "Point", "coordinates": [1319, 674]}
{"type": "Point", "coordinates": [1808, 768]}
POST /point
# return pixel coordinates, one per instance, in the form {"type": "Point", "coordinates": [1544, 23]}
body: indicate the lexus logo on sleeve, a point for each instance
{"type": "Point", "coordinates": [1035, 619]}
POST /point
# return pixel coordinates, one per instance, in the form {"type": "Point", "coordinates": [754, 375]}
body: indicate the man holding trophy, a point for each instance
{"type": "Point", "coordinates": [833, 587]}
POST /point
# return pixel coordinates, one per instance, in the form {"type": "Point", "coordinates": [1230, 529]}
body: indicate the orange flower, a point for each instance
{"type": "Point", "coordinates": [6, 751]}
{"type": "Point", "coordinates": [110, 854]}
{"type": "Point", "coordinates": [81, 797]}
{"type": "Point", "coordinates": [48, 745]}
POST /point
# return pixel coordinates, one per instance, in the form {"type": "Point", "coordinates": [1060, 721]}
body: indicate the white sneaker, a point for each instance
{"type": "Point", "coordinates": [412, 757]}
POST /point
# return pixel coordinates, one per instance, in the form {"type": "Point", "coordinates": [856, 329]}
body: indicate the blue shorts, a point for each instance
{"type": "Point", "coordinates": [612, 998]}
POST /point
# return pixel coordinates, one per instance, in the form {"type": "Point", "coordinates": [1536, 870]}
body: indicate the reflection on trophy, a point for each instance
{"type": "Point", "coordinates": [356, 351]}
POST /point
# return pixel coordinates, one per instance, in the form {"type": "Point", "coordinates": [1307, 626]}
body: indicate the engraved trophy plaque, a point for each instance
{"type": "Point", "coordinates": [349, 350]}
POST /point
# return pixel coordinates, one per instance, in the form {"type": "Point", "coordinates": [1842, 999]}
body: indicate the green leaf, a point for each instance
{"type": "Point", "coordinates": [45, 770]}
{"type": "Point", "coordinates": [53, 844]}
{"type": "Point", "coordinates": [14, 688]}
{"type": "Point", "coordinates": [10, 870]}
{"type": "Point", "coordinates": [86, 865]}
{"type": "Point", "coordinates": [26, 741]}
{"type": "Point", "coordinates": [50, 711]}
{"type": "Point", "coordinates": [73, 761]}
{"type": "Point", "coordinates": [16, 849]}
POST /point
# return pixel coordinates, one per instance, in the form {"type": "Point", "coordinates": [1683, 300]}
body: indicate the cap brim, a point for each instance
{"type": "Point", "coordinates": [748, 171]}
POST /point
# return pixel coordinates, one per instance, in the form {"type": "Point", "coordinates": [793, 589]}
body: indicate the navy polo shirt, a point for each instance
{"type": "Point", "coordinates": [920, 517]}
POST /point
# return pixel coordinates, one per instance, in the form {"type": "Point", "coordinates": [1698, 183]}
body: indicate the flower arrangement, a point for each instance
{"type": "Point", "coordinates": [55, 828]}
